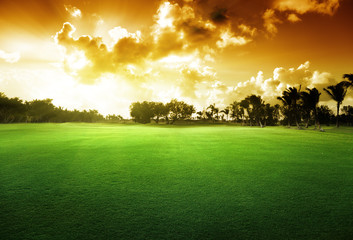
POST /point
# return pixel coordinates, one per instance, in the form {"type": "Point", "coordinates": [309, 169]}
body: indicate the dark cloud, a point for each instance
{"type": "Point", "coordinates": [127, 51]}
{"type": "Point", "coordinates": [219, 16]}
{"type": "Point", "coordinates": [168, 42]}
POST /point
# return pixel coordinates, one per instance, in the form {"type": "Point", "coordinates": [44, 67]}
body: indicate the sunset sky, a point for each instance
{"type": "Point", "coordinates": [103, 55]}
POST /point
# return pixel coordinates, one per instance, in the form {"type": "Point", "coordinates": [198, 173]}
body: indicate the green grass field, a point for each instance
{"type": "Point", "coordinates": [106, 181]}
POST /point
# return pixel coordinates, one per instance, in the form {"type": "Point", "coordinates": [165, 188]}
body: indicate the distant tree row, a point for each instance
{"type": "Point", "coordinates": [251, 111]}
{"type": "Point", "coordinates": [37, 111]}
{"type": "Point", "coordinates": [143, 112]}
{"type": "Point", "coordinates": [298, 107]}
{"type": "Point", "coordinates": [303, 105]}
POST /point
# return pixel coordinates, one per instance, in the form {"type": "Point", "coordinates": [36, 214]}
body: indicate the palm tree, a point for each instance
{"type": "Point", "coordinates": [337, 92]}
{"type": "Point", "coordinates": [257, 108]}
{"type": "Point", "coordinates": [270, 114]}
{"type": "Point", "coordinates": [244, 104]}
{"type": "Point", "coordinates": [285, 99]}
{"type": "Point", "coordinates": [226, 111]}
{"type": "Point", "coordinates": [294, 95]}
{"type": "Point", "coordinates": [213, 111]}
{"type": "Point", "coordinates": [310, 100]}
{"type": "Point", "coordinates": [290, 99]}
{"type": "Point", "coordinates": [237, 111]}
{"type": "Point", "coordinates": [349, 77]}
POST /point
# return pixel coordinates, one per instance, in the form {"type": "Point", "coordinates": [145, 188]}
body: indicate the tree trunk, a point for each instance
{"type": "Point", "coordinates": [307, 122]}
{"type": "Point", "coordinates": [315, 117]}
{"type": "Point", "coordinates": [338, 115]}
{"type": "Point", "coordinates": [318, 121]}
{"type": "Point", "coordinates": [296, 121]}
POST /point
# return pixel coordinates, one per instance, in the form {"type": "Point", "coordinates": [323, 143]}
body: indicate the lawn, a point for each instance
{"type": "Point", "coordinates": [110, 181]}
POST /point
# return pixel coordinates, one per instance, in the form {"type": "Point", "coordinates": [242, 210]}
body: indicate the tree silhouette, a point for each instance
{"type": "Point", "coordinates": [179, 110]}
{"type": "Point", "coordinates": [324, 114]}
{"type": "Point", "coordinates": [226, 111]}
{"type": "Point", "coordinates": [348, 113]}
{"type": "Point", "coordinates": [294, 94]}
{"type": "Point", "coordinates": [290, 98]}
{"type": "Point", "coordinates": [287, 101]}
{"type": "Point", "coordinates": [141, 112]}
{"type": "Point", "coordinates": [213, 111]}
{"type": "Point", "coordinates": [15, 110]}
{"type": "Point", "coordinates": [159, 110]}
{"type": "Point", "coordinates": [200, 115]}
{"type": "Point", "coordinates": [235, 111]}
{"type": "Point", "coordinates": [11, 109]}
{"type": "Point", "coordinates": [337, 92]}
{"type": "Point", "coordinates": [271, 114]}
{"type": "Point", "coordinates": [244, 104]}
{"type": "Point", "coordinates": [297, 106]}
{"type": "Point", "coordinates": [41, 110]}
{"type": "Point", "coordinates": [310, 99]}
{"type": "Point", "coordinates": [349, 78]}
{"type": "Point", "coordinates": [256, 108]}
{"type": "Point", "coordinates": [113, 117]}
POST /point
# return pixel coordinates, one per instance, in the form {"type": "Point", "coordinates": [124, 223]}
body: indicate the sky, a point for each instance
{"type": "Point", "coordinates": [105, 55]}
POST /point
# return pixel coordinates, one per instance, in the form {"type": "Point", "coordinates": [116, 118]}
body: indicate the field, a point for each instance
{"type": "Point", "coordinates": [110, 181]}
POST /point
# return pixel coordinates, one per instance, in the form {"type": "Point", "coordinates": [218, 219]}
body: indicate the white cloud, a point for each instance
{"type": "Point", "coordinates": [282, 78]}
{"type": "Point", "coordinates": [73, 11]}
{"type": "Point", "coordinates": [228, 38]}
{"type": "Point", "coordinates": [10, 57]}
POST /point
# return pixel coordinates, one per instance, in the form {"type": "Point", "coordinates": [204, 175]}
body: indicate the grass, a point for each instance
{"type": "Point", "coordinates": [106, 181]}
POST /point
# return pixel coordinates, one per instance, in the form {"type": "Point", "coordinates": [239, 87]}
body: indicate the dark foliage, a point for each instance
{"type": "Point", "coordinates": [37, 111]}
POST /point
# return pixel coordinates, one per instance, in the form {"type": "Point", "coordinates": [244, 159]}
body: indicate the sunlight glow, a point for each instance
{"type": "Point", "coordinates": [126, 51]}
{"type": "Point", "coordinates": [176, 59]}
{"type": "Point", "coordinates": [118, 33]}
{"type": "Point", "coordinates": [164, 18]}
{"type": "Point", "coordinates": [73, 11]}
{"type": "Point", "coordinates": [228, 38]}
{"type": "Point", "coordinates": [77, 60]}
{"type": "Point", "coordinates": [10, 57]}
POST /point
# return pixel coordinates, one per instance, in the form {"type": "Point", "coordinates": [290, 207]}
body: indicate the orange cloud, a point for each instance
{"type": "Point", "coordinates": [177, 31]}
{"type": "Point", "coordinates": [293, 18]}
{"type": "Point", "coordinates": [293, 8]}
{"type": "Point", "coordinates": [172, 58]}
{"type": "Point", "coordinates": [303, 6]}
{"type": "Point", "coordinates": [270, 21]}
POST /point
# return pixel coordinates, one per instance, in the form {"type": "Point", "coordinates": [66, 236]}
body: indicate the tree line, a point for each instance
{"type": "Point", "coordinates": [37, 111]}
{"type": "Point", "coordinates": [299, 108]}
{"type": "Point", "coordinates": [143, 112]}
{"type": "Point", "coordinates": [303, 105]}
